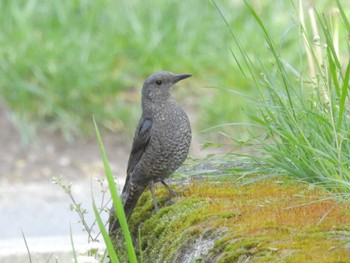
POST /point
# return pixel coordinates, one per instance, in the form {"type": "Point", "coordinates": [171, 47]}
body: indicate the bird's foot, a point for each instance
{"type": "Point", "coordinates": [151, 188]}
{"type": "Point", "coordinates": [172, 193]}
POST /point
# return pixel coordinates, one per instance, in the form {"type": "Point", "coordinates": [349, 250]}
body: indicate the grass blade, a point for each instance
{"type": "Point", "coordinates": [72, 243]}
{"type": "Point", "coordinates": [344, 94]}
{"type": "Point", "coordinates": [27, 247]}
{"type": "Point", "coordinates": [119, 210]}
{"type": "Point", "coordinates": [140, 245]}
{"type": "Point", "coordinates": [112, 254]}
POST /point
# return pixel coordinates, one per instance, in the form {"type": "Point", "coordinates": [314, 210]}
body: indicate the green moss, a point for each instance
{"type": "Point", "coordinates": [268, 221]}
{"type": "Point", "coordinates": [169, 226]}
{"type": "Point", "coordinates": [231, 248]}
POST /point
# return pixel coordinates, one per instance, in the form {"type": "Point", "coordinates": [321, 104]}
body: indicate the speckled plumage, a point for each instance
{"type": "Point", "coordinates": [161, 141]}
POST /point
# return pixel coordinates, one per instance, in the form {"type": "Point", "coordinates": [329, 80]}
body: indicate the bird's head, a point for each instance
{"type": "Point", "coordinates": [157, 87]}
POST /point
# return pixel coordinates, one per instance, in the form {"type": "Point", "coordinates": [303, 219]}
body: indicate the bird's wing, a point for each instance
{"type": "Point", "coordinates": [142, 138]}
{"type": "Point", "coordinates": [131, 192]}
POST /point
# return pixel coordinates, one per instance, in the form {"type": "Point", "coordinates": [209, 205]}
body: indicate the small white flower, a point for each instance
{"type": "Point", "coordinates": [86, 259]}
{"type": "Point", "coordinates": [97, 246]}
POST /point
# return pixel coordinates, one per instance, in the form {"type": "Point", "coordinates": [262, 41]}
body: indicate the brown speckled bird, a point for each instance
{"type": "Point", "coordinates": [161, 142]}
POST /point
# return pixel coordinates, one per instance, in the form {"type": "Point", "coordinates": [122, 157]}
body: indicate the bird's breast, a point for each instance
{"type": "Point", "coordinates": [170, 142]}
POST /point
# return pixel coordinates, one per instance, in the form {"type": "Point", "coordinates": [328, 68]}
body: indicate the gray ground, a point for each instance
{"type": "Point", "coordinates": [31, 203]}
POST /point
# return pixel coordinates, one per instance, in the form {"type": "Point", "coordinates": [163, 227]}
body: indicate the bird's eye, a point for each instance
{"type": "Point", "coordinates": [159, 82]}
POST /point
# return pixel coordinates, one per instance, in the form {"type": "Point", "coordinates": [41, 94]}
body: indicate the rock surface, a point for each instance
{"type": "Point", "coordinates": [218, 219]}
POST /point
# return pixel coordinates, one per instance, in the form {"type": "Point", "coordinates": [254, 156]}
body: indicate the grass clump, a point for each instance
{"type": "Point", "coordinates": [304, 109]}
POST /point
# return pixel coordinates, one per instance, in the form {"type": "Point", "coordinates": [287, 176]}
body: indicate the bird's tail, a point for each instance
{"type": "Point", "coordinates": [130, 195]}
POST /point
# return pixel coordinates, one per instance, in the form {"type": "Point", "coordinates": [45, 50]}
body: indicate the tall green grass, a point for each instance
{"type": "Point", "coordinates": [61, 62]}
{"type": "Point", "coordinates": [304, 107]}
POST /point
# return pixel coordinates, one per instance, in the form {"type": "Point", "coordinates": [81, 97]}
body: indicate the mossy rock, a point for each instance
{"type": "Point", "coordinates": [275, 220]}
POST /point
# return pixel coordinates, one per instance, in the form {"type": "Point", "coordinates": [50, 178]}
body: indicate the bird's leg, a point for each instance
{"type": "Point", "coordinates": [172, 193]}
{"type": "Point", "coordinates": [151, 188]}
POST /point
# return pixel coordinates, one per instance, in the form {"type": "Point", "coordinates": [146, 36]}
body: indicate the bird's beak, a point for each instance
{"type": "Point", "coordinates": [179, 77]}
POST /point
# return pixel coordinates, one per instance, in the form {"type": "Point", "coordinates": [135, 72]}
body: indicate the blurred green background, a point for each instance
{"type": "Point", "coordinates": [62, 61]}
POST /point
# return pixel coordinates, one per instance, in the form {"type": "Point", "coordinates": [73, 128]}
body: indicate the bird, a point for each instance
{"type": "Point", "coordinates": [161, 142]}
